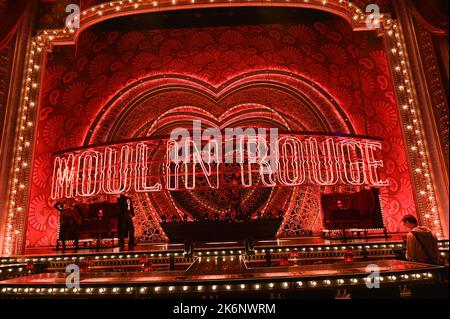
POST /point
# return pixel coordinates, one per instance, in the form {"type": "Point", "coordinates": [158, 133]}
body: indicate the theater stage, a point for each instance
{"type": "Point", "coordinates": [308, 242]}
{"type": "Point", "coordinates": [314, 267]}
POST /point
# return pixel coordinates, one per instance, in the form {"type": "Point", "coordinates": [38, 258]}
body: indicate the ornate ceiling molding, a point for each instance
{"type": "Point", "coordinates": [91, 16]}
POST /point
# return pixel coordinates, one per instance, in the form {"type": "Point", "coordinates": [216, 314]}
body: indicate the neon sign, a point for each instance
{"type": "Point", "coordinates": [199, 162]}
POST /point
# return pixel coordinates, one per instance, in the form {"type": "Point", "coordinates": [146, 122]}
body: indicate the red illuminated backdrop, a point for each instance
{"type": "Point", "coordinates": [316, 77]}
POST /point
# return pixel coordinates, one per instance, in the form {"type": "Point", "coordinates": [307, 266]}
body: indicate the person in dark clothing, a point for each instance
{"type": "Point", "coordinates": [70, 220]}
{"type": "Point", "coordinates": [79, 216]}
{"type": "Point", "coordinates": [59, 206]}
{"type": "Point", "coordinates": [236, 204]}
{"type": "Point", "coordinates": [125, 221]}
{"type": "Point", "coordinates": [76, 221]}
{"type": "Point", "coordinates": [421, 243]}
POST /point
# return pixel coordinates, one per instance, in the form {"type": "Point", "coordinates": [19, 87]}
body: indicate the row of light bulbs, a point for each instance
{"type": "Point", "coordinates": [443, 254]}
{"type": "Point", "coordinates": [22, 155]}
{"type": "Point", "coordinates": [9, 270]}
{"type": "Point", "coordinates": [214, 288]}
{"type": "Point", "coordinates": [413, 129]}
{"type": "Point", "coordinates": [113, 7]}
{"type": "Point", "coordinates": [66, 259]}
{"type": "Point", "coordinates": [442, 244]}
{"type": "Point", "coordinates": [215, 259]}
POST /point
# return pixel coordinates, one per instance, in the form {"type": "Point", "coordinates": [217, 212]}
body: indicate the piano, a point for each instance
{"type": "Point", "coordinates": [358, 212]}
{"type": "Point", "coordinates": [99, 222]}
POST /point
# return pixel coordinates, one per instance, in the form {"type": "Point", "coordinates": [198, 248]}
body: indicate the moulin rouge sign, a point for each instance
{"type": "Point", "coordinates": [262, 158]}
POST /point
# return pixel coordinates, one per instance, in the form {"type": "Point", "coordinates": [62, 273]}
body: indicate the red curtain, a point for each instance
{"type": "Point", "coordinates": [432, 14]}
{"type": "Point", "coordinates": [11, 12]}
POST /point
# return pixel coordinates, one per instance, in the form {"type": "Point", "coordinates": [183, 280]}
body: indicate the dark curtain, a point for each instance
{"type": "Point", "coordinates": [11, 12]}
{"type": "Point", "coordinates": [432, 14]}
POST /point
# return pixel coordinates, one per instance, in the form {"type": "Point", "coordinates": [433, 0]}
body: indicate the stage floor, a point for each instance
{"type": "Point", "coordinates": [213, 270]}
{"type": "Point", "coordinates": [217, 278]}
{"type": "Point", "coordinates": [222, 268]}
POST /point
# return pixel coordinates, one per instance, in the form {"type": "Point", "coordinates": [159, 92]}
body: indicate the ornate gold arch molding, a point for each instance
{"type": "Point", "coordinates": [389, 29]}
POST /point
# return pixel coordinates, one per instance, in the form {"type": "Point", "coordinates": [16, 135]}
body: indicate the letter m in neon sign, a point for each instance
{"type": "Point", "coordinates": [64, 177]}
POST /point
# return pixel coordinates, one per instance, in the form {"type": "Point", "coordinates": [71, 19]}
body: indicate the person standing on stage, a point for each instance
{"type": "Point", "coordinates": [59, 206]}
{"type": "Point", "coordinates": [70, 220]}
{"type": "Point", "coordinates": [421, 243]}
{"type": "Point", "coordinates": [125, 221]}
{"type": "Point", "coordinates": [78, 218]}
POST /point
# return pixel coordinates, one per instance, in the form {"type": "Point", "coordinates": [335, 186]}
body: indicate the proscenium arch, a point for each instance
{"type": "Point", "coordinates": [126, 99]}
{"type": "Point", "coordinates": [356, 17]}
